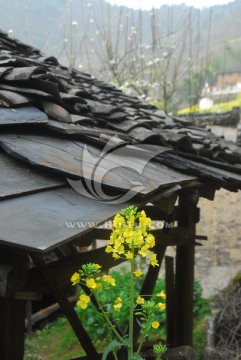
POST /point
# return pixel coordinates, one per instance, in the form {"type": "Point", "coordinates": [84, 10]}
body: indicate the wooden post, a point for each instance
{"type": "Point", "coordinates": [185, 270]}
{"type": "Point", "coordinates": [12, 328]}
{"type": "Point", "coordinates": [13, 274]}
{"type": "Point", "coordinates": [170, 300]}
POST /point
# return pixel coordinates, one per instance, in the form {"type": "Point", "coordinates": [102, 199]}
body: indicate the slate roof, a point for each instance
{"type": "Point", "coordinates": [227, 119]}
{"type": "Point", "coordinates": [52, 116]}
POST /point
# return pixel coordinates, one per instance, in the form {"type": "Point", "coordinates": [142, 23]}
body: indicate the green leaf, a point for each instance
{"type": "Point", "coordinates": [113, 344]}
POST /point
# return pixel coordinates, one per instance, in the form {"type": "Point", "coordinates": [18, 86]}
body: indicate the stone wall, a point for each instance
{"type": "Point", "coordinates": [219, 259]}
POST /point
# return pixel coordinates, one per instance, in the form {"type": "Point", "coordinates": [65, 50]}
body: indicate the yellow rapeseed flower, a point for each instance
{"type": "Point", "coordinates": [153, 260]}
{"type": "Point", "coordinates": [144, 220]}
{"type": "Point", "coordinates": [118, 300]}
{"type": "Point", "coordinates": [117, 304]}
{"type": "Point", "coordinates": [99, 286]}
{"type": "Point", "coordinates": [119, 249]}
{"type": "Point", "coordinates": [129, 255]}
{"type": "Point", "coordinates": [161, 306]}
{"type": "Point", "coordinates": [128, 233]}
{"type": "Point", "coordinates": [118, 221]}
{"type": "Point", "coordinates": [138, 239]}
{"type": "Point", "coordinates": [91, 284]}
{"type": "Point", "coordinates": [118, 241]}
{"type": "Point", "coordinates": [109, 249]}
{"type": "Point", "coordinates": [150, 240]}
{"type": "Point", "coordinates": [161, 294]}
{"type": "Point", "coordinates": [75, 278]}
{"type": "Point", "coordinates": [117, 307]}
{"type": "Point", "coordinates": [155, 324]}
{"type": "Point", "coordinates": [138, 273]}
{"type": "Point", "coordinates": [131, 221]}
{"type": "Point", "coordinates": [83, 301]}
{"type": "Point", "coordinates": [109, 279]}
{"type": "Point", "coordinates": [143, 251]}
{"type": "Point", "coordinates": [140, 300]}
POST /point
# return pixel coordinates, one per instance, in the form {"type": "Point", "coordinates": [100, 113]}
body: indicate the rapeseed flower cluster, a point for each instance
{"type": "Point", "coordinates": [87, 276]}
{"type": "Point", "coordinates": [130, 236]}
{"type": "Point", "coordinates": [130, 240]}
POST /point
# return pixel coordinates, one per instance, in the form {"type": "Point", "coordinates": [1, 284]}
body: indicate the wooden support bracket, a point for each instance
{"type": "Point", "coordinates": [67, 308]}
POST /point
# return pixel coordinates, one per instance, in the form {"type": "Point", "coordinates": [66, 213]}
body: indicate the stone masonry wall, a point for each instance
{"type": "Point", "coordinates": [219, 259]}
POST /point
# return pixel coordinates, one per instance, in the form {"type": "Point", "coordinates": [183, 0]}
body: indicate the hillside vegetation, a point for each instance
{"type": "Point", "coordinates": [163, 55]}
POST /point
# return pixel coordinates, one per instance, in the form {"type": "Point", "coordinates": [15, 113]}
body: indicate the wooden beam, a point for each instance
{"type": "Point", "coordinates": [171, 237]}
{"type": "Point", "coordinates": [174, 236]}
{"type": "Point", "coordinates": [155, 213]}
{"type": "Point", "coordinates": [44, 313]}
{"type": "Point", "coordinates": [65, 267]}
{"type": "Point", "coordinates": [167, 203]}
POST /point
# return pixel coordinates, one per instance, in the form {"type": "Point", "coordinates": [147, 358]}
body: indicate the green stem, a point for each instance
{"type": "Point", "coordinates": [145, 334]}
{"type": "Point", "coordinates": [131, 316]}
{"type": "Point", "coordinates": [109, 323]}
{"type": "Point", "coordinates": [143, 337]}
{"type": "Point", "coordinates": [140, 345]}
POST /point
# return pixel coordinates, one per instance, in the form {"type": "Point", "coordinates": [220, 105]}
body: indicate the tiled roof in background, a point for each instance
{"type": "Point", "coordinates": [51, 116]}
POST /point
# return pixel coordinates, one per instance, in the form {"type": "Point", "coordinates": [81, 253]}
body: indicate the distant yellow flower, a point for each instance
{"type": "Point", "coordinates": [155, 324]}
{"type": "Point", "coordinates": [118, 304]}
{"type": "Point", "coordinates": [83, 301]}
{"type": "Point", "coordinates": [75, 278]}
{"type": "Point", "coordinates": [118, 300]}
{"type": "Point", "coordinates": [161, 294]}
{"type": "Point", "coordinates": [91, 284]}
{"type": "Point", "coordinates": [97, 266]}
{"type": "Point", "coordinates": [99, 286]}
{"type": "Point", "coordinates": [138, 273]}
{"type": "Point", "coordinates": [153, 260]}
{"type": "Point", "coordinates": [109, 279]}
{"type": "Point", "coordinates": [140, 300]}
{"type": "Point", "coordinates": [162, 306]}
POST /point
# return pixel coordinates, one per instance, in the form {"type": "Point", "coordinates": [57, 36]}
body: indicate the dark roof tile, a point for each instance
{"type": "Point", "coordinates": [23, 73]}
{"type": "Point", "coordinates": [23, 115]}
{"type": "Point", "coordinates": [70, 97]}
{"type": "Point", "coordinates": [14, 99]}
